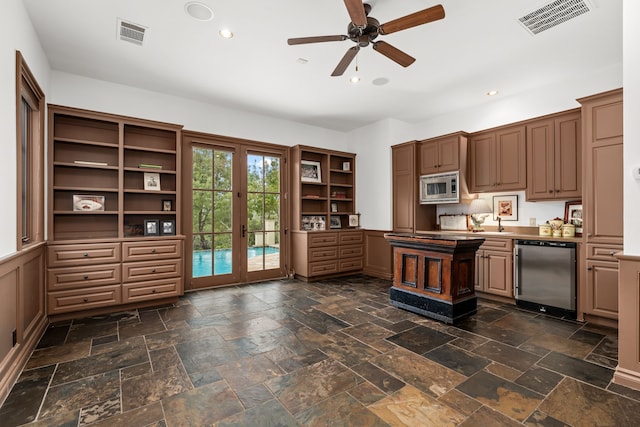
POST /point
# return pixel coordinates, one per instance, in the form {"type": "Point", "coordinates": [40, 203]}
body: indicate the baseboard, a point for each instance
{"type": "Point", "coordinates": [627, 378]}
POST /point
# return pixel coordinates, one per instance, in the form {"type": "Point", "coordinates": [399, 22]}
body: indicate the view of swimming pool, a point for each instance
{"type": "Point", "coordinates": [202, 260]}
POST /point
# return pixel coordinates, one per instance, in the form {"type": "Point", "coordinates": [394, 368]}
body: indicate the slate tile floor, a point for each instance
{"type": "Point", "coordinates": [288, 353]}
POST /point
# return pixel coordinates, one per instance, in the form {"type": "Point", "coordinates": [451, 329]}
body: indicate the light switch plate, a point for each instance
{"type": "Point", "coordinates": [532, 222]}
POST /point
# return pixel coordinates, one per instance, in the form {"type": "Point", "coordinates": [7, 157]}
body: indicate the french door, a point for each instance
{"type": "Point", "coordinates": [234, 212]}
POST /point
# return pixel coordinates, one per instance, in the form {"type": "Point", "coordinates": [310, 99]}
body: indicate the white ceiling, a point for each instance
{"type": "Point", "coordinates": [478, 46]}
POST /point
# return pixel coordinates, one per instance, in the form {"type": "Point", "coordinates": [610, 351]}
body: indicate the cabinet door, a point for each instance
{"type": "Point", "coordinates": [499, 273]}
{"type": "Point", "coordinates": [605, 194]}
{"type": "Point", "coordinates": [429, 158]}
{"type": "Point", "coordinates": [482, 153]}
{"type": "Point", "coordinates": [568, 157]}
{"type": "Point", "coordinates": [403, 188]}
{"type": "Point", "coordinates": [602, 289]}
{"type": "Point", "coordinates": [511, 167]}
{"type": "Point", "coordinates": [540, 160]}
{"type": "Point", "coordinates": [449, 155]}
{"type": "Point", "coordinates": [478, 276]}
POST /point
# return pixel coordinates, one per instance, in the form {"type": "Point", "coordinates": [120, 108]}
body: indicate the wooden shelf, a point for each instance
{"type": "Point", "coordinates": [150, 150]}
{"type": "Point", "coordinates": [60, 212]}
{"type": "Point", "coordinates": [86, 166]}
{"type": "Point", "coordinates": [163, 171]}
{"type": "Point", "coordinates": [86, 142]}
{"type": "Point", "coordinates": [86, 189]}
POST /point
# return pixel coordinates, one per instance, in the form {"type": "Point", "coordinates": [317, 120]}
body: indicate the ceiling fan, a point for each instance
{"type": "Point", "coordinates": [363, 30]}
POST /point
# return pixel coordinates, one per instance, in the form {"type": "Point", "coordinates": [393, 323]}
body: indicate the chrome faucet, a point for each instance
{"type": "Point", "coordinates": [500, 227]}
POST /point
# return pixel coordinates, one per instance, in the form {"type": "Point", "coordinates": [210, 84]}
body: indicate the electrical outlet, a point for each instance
{"type": "Point", "coordinates": [532, 222]}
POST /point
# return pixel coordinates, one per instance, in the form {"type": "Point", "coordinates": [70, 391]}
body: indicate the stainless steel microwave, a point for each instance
{"type": "Point", "coordinates": [440, 188]}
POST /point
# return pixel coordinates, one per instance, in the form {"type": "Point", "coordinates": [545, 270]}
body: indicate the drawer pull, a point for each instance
{"type": "Point", "coordinates": [612, 253]}
{"type": "Point", "coordinates": [86, 254]}
{"type": "Point", "coordinates": [85, 300]}
{"type": "Point", "coordinates": [153, 251]}
{"type": "Point", "coordinates": [153, 291]}
{"type": "Point", "coordinates": [86, 277]}
{"type": "Point", "coordinates": [153, 271]}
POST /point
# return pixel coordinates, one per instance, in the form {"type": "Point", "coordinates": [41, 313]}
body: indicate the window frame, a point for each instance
{"type": "Point", "coordinates": [28, 89]}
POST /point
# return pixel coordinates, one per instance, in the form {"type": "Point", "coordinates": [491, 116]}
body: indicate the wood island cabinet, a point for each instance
{"type": "Point", "coordinates": [494, 267]}
{"type": "Point", "coordinates": [109, 176]}
{"type": "Point", "coordinates": [498, 160]}
{"type": "Point", "coordinates": [554, 158]}
{"type": "Point", "coordinates": [602, 200]}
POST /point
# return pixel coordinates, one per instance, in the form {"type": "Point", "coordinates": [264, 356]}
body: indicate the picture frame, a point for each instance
{"type": "Point", "coordinates": [314, 222]}
{"type": "Point", "coordinates": [167, 205]}
{"type": "Point", "coordinates": [310, 171]}
{"type": "Point", "coordinates": [88, 203]}
{"type": "Point", "coordinates": [334, 207]}
{"type": "Point", "coordinates": [346, 166]}
{"type": "Point", "coordinates": [167, 227]}
{"type": "Point", "coordinates": [151, 227]}
{"type": "Point", "coordinates": [335, 222]}
{"type": "Point", "coordinates": [152, 181]}
{"type": "Point", "coordinates": [573, 215]}
{"type": "Point", "coordinates": [354, 220]}
{"type": "Point", "coordinates": [505, 207]}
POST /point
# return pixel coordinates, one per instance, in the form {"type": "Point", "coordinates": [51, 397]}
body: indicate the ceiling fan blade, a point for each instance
{"type": "Point", "coordinates": [393, 53]}
{"type": "Point", "coordinates": [422, 17]}
{"type": "Point", "coordinates": [345, 61]}
{"type": "Point", "coordinates": [356, 12]}
{"type": "Point", "coordinates": [316, 39]}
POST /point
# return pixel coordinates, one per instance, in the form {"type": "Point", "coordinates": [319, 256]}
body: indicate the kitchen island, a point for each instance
{"type": "Point", "coordinates": [433, 274]}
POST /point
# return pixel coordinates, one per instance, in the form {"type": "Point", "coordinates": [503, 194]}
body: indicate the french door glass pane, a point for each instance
{"type": "Point", "coordinates": [212, 212]}
{"type": "Point", "coordinates": [263, 212]}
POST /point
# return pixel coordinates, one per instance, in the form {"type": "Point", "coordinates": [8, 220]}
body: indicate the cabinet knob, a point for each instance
{"type": "Point", "coordinates": [153, 271]}
{"type": "Point", "coordinates": [85, 299]}
{"type": "Point", "coordinates": [153, 291]}
{"type": "Point", "coordinates": [557, 191]}
{"type": "Point", "coordinates": [153, 251]}
{"type": "Point", "coordinates": [86, 277]}
{"type": "Point", "coordinates": [589, 268]}
{"type": "Point", "coordinates": [550, 191]}
{"type": "Point", "coordinates": [612, 253]}
{"type": "Point", "coordinates": [86, 254]}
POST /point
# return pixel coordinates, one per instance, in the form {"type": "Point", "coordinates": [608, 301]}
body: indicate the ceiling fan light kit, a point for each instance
{"type": "Point", "coordinates": [363, 30]}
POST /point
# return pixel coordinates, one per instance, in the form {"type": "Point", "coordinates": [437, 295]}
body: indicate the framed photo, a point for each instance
{"type": "Point", "coordinates": [167, 227]}
{"type": "Point", "coordinates": [313, 222]}
{"type": "Point", "coordinates": [152, 181]}
{"type": "Point", "coordinates": [346, 166]}
{"type": "Point", "coordinates": [151, 227]}
{"type": "Point", "coordinates": [334, 207]}
{"type": "Point", "coordinates": [505, 207]}
{"type": "Point", "coordinates": [167, 205]}
{"type": "Point", "coordinates": [354, 220]}
{"type": "Point", "coordinates": [310, 171]}
{"type": "Point", "coordinates": [335, 222]}
{"type": "Point", "coordinates": [573, 215]}
{"type": "Point", "coordinates": [87, 203]}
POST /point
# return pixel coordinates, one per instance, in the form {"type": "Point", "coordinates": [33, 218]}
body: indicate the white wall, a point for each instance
{"type": "Point", "coordinates": [370, 143]}
{"type": "Point", "coordinates": [76, 91]}
{"type": "Point", "coordinates": [16, 33]}
{"type": "Point", "coordinates": [631, 55]}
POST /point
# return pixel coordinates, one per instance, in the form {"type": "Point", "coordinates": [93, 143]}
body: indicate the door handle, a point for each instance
{"type": "Point", "coordinates": [244, 229]}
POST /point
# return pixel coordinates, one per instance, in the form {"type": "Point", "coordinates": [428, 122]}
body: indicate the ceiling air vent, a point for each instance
{"type": "Point", "coordinates": [554, 13]}
{"type": "Point", "coordinates": [132, 33]}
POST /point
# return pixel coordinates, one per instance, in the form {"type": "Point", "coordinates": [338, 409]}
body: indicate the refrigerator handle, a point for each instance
{"type": "Point", "coordinates": [516, 262]}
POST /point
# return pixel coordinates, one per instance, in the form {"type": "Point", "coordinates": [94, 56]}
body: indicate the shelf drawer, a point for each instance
{"type": "Point", "coordinates": [151, 250]}
{"type": "Point", "coordinates": [602, 251]}
{"type": "Point", "coordinates": [79, 277]}
{"type": "Point", "coordinates": [150, 270]}
{"type": "Point", "coordinates": [323, 267]}
{"type": "Point", "coordinates": [351, 237]}
{"type": "Point", "coordinates": [323, 239]}
{"type": "Point", "coordinates": [351, 264]}
{"type": "Point", "coordinates": [83, 254]}
{"type": "Point", "coordinates": [350, 251]}
{"type": "Point", "coordinates": [84, 299]}
{"type": "Point", "coordinates": [498, 244]}
{"type": "Point", "coordinates": [323, 254]}
{"type": "Point", "coordinates": [154, 289]}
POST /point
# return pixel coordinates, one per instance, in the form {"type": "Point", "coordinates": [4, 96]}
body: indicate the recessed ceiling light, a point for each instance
{"type": "Point", "coordinates": [302, 61]}
{"type": "Point", "coordinates": [492, 92]}
{"type": "Point", "coordinates": [354, 79]}
{"type": "Point", "coordinates": [227, 34]}
{"type": "Point", "coordinates": [199, 11]}
{"type": "Point", "coordinates": [380, 81]}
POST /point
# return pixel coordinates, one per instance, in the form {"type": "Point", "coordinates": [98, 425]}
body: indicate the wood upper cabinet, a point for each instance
{"type": "Point", "coordinates": [440, 155]}
{"type": "Point", "coordinates": [498, 160]}
{"type": "Point", "coordinates": [404, 187]}
{"type": "Point", "coordinates": [554, 158]}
